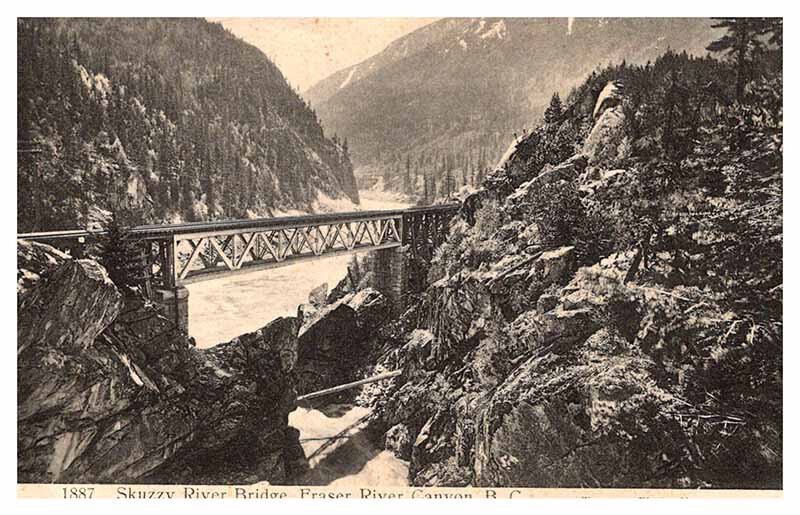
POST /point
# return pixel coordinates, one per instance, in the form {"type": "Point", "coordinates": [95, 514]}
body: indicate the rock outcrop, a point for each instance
{"type": "Point", "coordinates": [606, 143]}
{"type": "Point", "coordinates": [525, 367]}
{"type": "Point", "coordinates": [555, 422]}
{"type": "Point", "coordinates": [610, 97]}
{"type": "Point", "coordinates": [332, 342]}
{"type": "Point", "coordinates": [608, 311]}
{"type": "Point", "coordinates": [543, 400]}
{"type": "Point", "coordinates": [110, 391]}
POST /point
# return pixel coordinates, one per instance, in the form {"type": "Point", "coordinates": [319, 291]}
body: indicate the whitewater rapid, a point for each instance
{"type": "Point", "coordinates": [349, 459]}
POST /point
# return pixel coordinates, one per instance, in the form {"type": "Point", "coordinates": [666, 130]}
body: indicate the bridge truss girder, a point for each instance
{"type": "Point", "coordinates": [176, 254]}
{"type": "Point", "coordinates": [200, 256]}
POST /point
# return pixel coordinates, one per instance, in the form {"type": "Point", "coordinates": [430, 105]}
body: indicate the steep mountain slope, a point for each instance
{"type": "Point", "coordinates": [449, 95]}
{"type": "Point", "coordinates": [175, 118]}
{"type": "Point", "coordinates": [611, 315]}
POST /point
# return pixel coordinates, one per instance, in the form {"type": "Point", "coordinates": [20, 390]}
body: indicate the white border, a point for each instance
{"type": "Point", "coordinates": [374, 8]}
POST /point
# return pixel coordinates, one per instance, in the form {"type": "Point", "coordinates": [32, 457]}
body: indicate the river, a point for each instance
{"type": "Point", "coordinates": [349, 459]}
{"type": "Point", "coordinates": [221, 309]}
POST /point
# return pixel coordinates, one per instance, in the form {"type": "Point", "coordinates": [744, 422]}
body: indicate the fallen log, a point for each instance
{"type": "Point", "coordinates": [347, 386]}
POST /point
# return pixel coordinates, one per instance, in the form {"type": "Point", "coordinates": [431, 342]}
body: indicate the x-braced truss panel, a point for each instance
{"type": "Point", "coordinates": [200, 256]}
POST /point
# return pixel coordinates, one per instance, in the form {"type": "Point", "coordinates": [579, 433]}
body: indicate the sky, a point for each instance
{"type": "Point", "coordinates": [310, 49]}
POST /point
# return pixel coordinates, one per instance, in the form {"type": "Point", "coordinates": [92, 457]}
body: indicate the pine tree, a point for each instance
{"type": "Point", "coordinates": [742, 42]}
{"type": "Point", "coordinates": [555, 110]}
{"type": "Point", "coordinates": [121, 256]}
{"type": "Point", "coordinates": [425, 189]}
{"type": "Point", "coordinates": [407, 176]}
{"type": "Point", "coordinates": [449, 183]}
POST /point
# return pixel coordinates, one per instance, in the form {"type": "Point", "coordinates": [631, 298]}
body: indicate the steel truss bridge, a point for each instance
{"type": "Point", "coordinates": [180, 254]}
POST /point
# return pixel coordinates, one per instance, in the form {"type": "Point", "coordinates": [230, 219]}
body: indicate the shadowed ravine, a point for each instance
{"type": "Point", "coordinates": [225, 308]}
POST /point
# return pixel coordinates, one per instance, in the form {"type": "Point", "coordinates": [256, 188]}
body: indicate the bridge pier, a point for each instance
{"type": "Point", "coordinates": [388, 267]}
{"type": "Point", "coordinates": [174, 303]}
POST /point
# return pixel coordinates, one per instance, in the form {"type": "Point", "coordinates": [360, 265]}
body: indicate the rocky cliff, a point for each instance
{"type": "Point", "coordinates": [592, 320]}
{"type": "Point", "coordinates": [109, 391]}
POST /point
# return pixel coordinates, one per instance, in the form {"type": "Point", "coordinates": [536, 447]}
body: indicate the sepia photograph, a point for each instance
{"type": "Point", "coordinates": [398, 256]}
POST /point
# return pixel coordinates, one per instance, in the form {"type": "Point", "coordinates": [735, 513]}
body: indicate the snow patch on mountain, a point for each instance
{"type": "Point", "coordinates": [349, 77]}
{"type": "Point", "coordinates": [498, 30]}
{"type": "Point", "coordinates": [463, 44]}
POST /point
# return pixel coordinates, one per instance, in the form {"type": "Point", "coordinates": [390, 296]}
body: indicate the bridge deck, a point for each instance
{"type": "Point", "coordinates": [196, 251]}
{"type": "Point", "coordinates": [160, 231]}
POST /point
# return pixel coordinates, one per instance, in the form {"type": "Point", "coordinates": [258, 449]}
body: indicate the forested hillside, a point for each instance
{"type": "Point", "coordinates": [608, 311]}
{"type": "Point", "coordinates": [170, 119]}
{"type": "Point", "coordinates": [433, 111]}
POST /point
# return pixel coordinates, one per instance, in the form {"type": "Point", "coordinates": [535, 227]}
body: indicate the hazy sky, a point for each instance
{"type": "Point", "coordinates": [309, 49]}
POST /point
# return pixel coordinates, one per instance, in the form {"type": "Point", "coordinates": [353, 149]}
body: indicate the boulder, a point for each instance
{"type": "Point", "coordinates": [558, 330]}
{"type": "Point", "coordinates": [546, 302]}
{"type": "Point", "coordinates": [342, 288]}
{"type": "Point", "coordinates": [66, 311]}
{"type": "Point", "coordinates": [306, 312]}
{"type": "Point", "coordinates": [398, 440]}
{"type": "Point", "coordinates": [594, 422]}
{"type": "Point", "coordinates": [517, 280]}
{"type": "Point", "coordinates": [521, 163]}
{"type": "Point", "coordinates": [513, 168]}
{"type": "Point", "coordinates": [318, 296]}
{"type": "Point", "coordinates": [555, 266]}
{"type": "Point", "coordinates": [110, 391]}
{"type": "Point", "coordinates": [35, 260]}
{"type": "Point", "coordinates": [418, 351]}
{"type": "Point", "coordinates": [242, 392]}
{"type": "Point", "coordinates": [520, 201]}
{"type": "Point", "coordinates": [610, 97]}
{"type": "Point", "coordinates": [433, 442]}
{"type": "Point", "coordinates": [437, 457]}
{"type": "Point", "coordinates": [607, 143]}
{"type": "Point", "coordinates": [414, 401]}
{"type": "Point", "coordinates": [332, 340]}
{"type": "Point", "coordinates": [460, 312]}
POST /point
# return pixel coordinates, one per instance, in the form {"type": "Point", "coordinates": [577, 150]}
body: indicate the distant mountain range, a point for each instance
{"type": "Point", "coordinates": [171, 119]}
{"type": "Point", "coordinates": [448, 97]}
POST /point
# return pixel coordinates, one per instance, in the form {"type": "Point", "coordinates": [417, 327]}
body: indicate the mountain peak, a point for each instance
{"type": "Point", "coordinates": [463, 87]}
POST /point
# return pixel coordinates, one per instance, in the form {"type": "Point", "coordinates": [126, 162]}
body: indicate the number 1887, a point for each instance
{"type": "Point", "coordinates": [78, 492]}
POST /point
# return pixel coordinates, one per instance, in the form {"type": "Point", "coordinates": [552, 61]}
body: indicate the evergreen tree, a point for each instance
{"type": "Point", "coordinates": [555, 110]}
{"type": "Point", "coordinates": [742, 42]}
{"type": "Point", "coordinates": [407, 176]}
{"type": "Point", "coordinates": [121, 256]}
{"type": "Point", "coordinates": [425, 189]}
